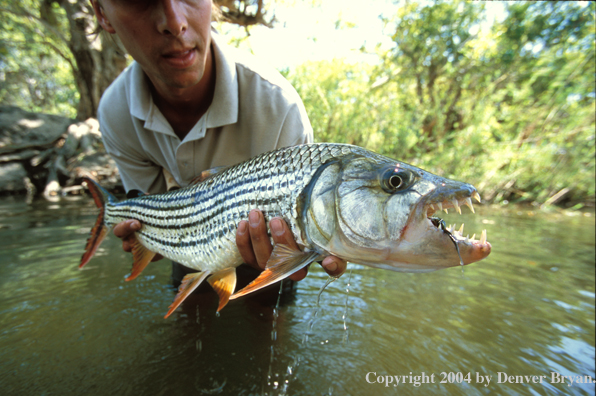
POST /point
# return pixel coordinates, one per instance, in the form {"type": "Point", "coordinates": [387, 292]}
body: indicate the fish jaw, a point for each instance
{"type": "Point", "coordinates": [425, 244]}
{"type": "Point", "coordinates": [348, 213]}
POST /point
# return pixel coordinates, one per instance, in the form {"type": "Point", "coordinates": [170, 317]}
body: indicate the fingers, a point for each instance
{"type": "Point", "coordinates": [252, 240]}
{"type": "Point", "coordinates": [255, 246]}
{"type": "Point", "coordinates": [281, 233]}
{"type": "Point", "coordinates": [125, 230]}
{"type": "Point", "coordinates": [334, 266]}
{"type": "Point", "coordinates": [244, 245]}
{"type": "Point", "coordinates": [127, 227]}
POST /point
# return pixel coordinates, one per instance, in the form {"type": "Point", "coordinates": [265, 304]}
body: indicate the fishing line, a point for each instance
{"type": "Point", "coordinates": [440, 223]}
{"type": "Point", "coordinates": [461, 261]}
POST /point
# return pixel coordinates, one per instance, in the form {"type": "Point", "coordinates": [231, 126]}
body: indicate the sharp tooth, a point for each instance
{"type": "Point", "coordinates": [461, 229]}
{"type": "Point", "coordinates": [476, 196]}
{"type": "Point", "coordinates": [468, 203]}
{"type": "Point", "coordinates": [440, 206]}
{"type": "Point", "coordinates": [432, 206]}
{"type": "Point", "coordinates": [468, 236]}
{"type": "Point", "coordinates": [473, 238]}
{"type": "Point", "coordinates": [446, 211]}
{"type": "Point", "coordinates": [483, 237]}
{"type": "Point", "coordinates": [456, 205]}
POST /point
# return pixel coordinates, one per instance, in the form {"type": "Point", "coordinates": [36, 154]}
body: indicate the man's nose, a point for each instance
{"type": "Point", "coordinates": [171, 18]}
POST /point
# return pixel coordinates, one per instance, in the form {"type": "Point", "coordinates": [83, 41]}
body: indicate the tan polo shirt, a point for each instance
{"type": "Point", "coordinates": [254, 110]}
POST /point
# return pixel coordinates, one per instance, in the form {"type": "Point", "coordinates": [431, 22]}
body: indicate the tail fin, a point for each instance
{"type": "Point", "coordinates": [100, 230]}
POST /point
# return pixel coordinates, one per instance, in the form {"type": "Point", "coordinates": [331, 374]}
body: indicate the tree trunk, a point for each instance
{"type": "Point", "coordinates": [99, 58]}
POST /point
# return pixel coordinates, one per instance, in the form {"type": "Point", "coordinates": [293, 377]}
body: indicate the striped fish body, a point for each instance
{"type": "Point", "coordinates": [337, 200]}
{"type": "Point", "coordinates": [196, 225]}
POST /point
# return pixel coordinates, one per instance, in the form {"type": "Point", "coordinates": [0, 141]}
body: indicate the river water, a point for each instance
{"type": "Point", "coordinates": [527, 310]}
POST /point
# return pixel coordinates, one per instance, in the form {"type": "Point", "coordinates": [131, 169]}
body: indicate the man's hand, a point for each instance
{"type": "Point", "coordinates": [126, 231]}
{"type": "Point", "coordinates": [255, 247]}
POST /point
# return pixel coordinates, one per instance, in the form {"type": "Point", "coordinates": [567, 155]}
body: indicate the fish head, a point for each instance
{"type": "Point", "coordinates": [377, 211]}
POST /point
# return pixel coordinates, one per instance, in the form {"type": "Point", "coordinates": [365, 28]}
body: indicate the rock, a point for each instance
{"type": "Point", "coordinates": [19, 156]}
{"type": "Point", "coordinates": [99, 166]}
{"type": "Point", "coordinates": [20, 129]}
{"type": "Point", "coordinates": [12, 177]}
{"type": "Point", "coordinates": [49, 154]}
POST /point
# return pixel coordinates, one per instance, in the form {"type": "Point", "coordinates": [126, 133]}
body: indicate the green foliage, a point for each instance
{"type": "Point", "coordinates": [508, 108]}
{"type": "Point", "coordinates": [35, 62]}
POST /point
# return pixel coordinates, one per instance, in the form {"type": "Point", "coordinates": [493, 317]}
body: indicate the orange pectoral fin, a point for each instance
{"type": "Point", "coordinates": [189, 283]}
{"type": "Point", "coordinates": [284, 261]}
{"type": "Point", "coordinates": [223, 282]}
{"type": "Point", "coordinates": [141, 258]}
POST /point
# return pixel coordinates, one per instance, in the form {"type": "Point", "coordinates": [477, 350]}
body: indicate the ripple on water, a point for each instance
{"type": "Point", "coordinates": [71, 332]}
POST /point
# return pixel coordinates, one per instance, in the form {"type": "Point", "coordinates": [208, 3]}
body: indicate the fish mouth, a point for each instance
{"type": "Point", "coordinates": [456, 204]}
{"type": "Point", "coordinates": [469, 248]}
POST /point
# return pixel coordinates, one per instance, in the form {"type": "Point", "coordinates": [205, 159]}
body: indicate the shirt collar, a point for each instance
{"type": "Point", "coordinates": [223, 109]}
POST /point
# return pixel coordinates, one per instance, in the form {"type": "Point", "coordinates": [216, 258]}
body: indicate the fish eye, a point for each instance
{"type": "Point", "coordinates": [395, 180]}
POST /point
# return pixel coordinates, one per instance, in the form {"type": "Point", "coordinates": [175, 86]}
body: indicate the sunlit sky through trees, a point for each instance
{"type": "Point", "coordinates": [329, 29]}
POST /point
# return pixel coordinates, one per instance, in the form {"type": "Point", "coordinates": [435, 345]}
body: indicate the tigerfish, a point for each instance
{"type": "Point", "coordinates": [337, 199]}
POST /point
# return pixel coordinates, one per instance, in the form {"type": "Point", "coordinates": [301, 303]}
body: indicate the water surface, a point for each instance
{"type": "Point", "coordinates": [527, 310]}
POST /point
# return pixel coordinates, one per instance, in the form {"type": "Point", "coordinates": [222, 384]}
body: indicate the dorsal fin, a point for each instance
{"type": "Point", "coordinates": [206, 174]}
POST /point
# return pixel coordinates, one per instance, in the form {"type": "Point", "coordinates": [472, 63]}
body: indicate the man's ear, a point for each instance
{"type": "Point", "coordinates": [101, 17]}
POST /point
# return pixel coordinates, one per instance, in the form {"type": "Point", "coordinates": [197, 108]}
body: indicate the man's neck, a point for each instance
{"type": "Point", "coordinates": [183, 108]}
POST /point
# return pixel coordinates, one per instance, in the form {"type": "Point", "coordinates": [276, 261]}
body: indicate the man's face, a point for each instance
{"type": "Point", "coordinates": [170, 39]}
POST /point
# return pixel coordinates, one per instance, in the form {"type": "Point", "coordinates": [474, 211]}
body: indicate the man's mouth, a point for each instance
{"type": "Point", "coordinates": [181, 58]}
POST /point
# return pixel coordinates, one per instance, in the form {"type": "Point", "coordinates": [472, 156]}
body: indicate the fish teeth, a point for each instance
{"type": "Point", "coordinates": [476, 196]}
{"type": "Point", "coordinates": [446, 211]}
{"type": "Point", "coordinates": [483, 237]}
{"type": "Point", "coordinates": [461, 229]}
{"type": "Point", "coordinates": [473, 238]}
{"type": "Point", "coordinates": [468, 203]}
{"type": "Point", "coordinates": [440, 206]}
{"type": "Point", "coordinates": [456, 205]}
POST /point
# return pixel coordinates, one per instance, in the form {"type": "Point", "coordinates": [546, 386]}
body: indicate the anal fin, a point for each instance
{"type": "Point", "coordinates": [188, 285]}
{"type": "Point", "coordinates": [223, 282]}
{"type": "Point", "coordinates": [141, 258]}
{"type": "Point", "coordinates": [284, 261]}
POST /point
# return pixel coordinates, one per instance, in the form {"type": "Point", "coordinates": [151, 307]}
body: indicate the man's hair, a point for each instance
{"type": "Point", "coordinates": [216, 14]}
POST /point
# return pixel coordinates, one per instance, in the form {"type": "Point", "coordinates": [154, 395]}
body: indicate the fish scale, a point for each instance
{"type": "Point", "coordinates": [337, 199]}
{"type": "Point", "coordinates": [196, 225]}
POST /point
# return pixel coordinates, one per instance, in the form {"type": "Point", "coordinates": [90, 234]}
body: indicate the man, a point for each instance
{"type": "Point", "coordinates": [189, 103]}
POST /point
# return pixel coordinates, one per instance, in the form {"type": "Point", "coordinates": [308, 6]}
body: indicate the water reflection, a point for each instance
{"type": "Point", "coordinates": [527, 310]}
